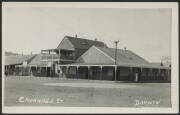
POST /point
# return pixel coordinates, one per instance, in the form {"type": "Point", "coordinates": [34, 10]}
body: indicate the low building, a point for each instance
{"type": "Point", "coordinates": [14, 62]}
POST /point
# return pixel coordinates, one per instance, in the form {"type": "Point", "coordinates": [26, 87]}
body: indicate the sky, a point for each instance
{"type": "Point", "coordinates": [145, 31]}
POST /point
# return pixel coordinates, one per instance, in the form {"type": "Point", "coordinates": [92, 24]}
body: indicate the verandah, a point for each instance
{"type": "Point", "coordinates": [112, 72]}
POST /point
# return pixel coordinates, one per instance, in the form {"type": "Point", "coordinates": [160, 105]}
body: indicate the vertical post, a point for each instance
{"type": "Point", "coordinates": [140, 75]}
{"type": "Point", "coordinates": [30, 71]}
{"type": "Point", "coordinates": [136, 74]}
{"type": "Point", "coordinates": [159, 74]}
{"type": "Point", "coordinates": [40, 70]}
{"type": "Point", "coordinates": [46, 71]}
{"type": "Point", "coordinates": [88, 71]}
{"type": "Point", "coordinates": [77, 67]}
{"type": "Point", "coordinates": [59, 55]}
{"type": "Point", "coordinates": [67, 71]}
{"type": "Point", "coordinates": [153, 74]}
{"type": "Point", "coordinates": [7, 70]}
{"type": "Point", "coordinates": [150, 74]}
{"type": "Point", "coordinates": [116, 42]}
{"type": "Point", "coordinates": [115, 72]}
{"type": "Point", "coordinates": [131, 73]}
{"type": "Point", "coordinates": [100, 73]}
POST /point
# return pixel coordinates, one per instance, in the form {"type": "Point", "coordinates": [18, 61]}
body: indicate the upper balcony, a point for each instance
{"type": "Point", "coordinates": [50, 57]}
{"type": "Point", "coordinates": [67, 55]}
{"type": "Point", "coordinates": [53, 55]}
{"type": "Point", "coordinates": [64, 57]}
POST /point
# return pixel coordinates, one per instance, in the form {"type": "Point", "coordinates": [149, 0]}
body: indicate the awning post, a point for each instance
{"type": "Point", "coordinates": [115, 73]}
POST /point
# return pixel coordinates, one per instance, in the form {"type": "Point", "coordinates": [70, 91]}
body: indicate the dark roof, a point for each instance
{"type": "Point", "coordinates": [17, 59]}
{"type": "Point", "coordinates": [81, 43]}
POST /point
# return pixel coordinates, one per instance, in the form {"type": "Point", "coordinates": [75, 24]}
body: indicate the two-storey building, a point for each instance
{"type": "Point", "coordinates": [67, 52]}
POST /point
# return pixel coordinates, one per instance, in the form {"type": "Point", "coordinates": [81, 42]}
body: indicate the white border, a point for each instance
{"type": "Point", "coordinates": [174, 50]}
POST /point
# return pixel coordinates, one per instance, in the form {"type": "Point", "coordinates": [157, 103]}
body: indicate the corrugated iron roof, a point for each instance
{"type": "Point", "coordinates": [81, 43]}
{"type": "Point", "coordinates": [37, 61]}
{"type": "Point", "coordinates": [17, 59]}
{"type": "Point", "coordinates": [129, 58]}
{"type": "Point", "coordinates": [124, 56]}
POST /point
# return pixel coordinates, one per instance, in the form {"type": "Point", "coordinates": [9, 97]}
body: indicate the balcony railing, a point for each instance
{"type": "Point", "coordinates": [55, 57]}
{"type": "Point", "coordinates": [50, 57]}
{"type": "Point", "coordinates": [64, 57]}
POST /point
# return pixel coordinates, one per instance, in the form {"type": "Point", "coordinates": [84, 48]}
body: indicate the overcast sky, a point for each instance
{"type": "Point", "coordinates": [146, 32]}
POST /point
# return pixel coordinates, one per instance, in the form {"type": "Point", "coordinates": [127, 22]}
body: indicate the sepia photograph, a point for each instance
{"type": "Point", "coordinates": [89, 57]}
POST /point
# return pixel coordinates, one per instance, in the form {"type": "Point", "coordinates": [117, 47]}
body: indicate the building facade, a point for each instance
{"type": "Point", "coordinates": [78, 58]}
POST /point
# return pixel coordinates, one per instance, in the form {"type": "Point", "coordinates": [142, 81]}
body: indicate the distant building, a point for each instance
{"type": "Point", "coordinates": [10, 53]}
{"type": "Point", "coordinates": [13, 61]}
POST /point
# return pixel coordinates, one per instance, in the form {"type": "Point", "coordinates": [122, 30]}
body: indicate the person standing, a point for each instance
{"type": "Point", "coordinates": [136, 76]}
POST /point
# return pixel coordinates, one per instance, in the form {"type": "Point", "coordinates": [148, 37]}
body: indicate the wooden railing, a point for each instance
{"type": "Point", "coordinates": [50, 57]}
{"type": "Point", "coordinates": [55, 57]}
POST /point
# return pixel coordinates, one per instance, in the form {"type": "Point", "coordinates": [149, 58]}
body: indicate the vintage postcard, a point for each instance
{"type": "Point", "coordinates": [98, 57]}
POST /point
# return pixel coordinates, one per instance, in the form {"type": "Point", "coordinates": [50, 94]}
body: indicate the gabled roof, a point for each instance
{"type": "Point", "coordinates": [129, 58]}
{"type": "Point", "coordinates": [124, 56]}
{"type": "Point", "coordinates": [81, 43]}
{"type": "Point", "coordinates": [18, 59]}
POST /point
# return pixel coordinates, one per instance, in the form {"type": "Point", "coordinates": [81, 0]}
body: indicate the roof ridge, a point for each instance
{"type": "Point", "coordinates": [83, 39]}
{"type": "Point", "coordinates": [113, 48]}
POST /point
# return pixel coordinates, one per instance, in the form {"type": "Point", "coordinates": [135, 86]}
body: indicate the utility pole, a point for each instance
{"type": "Point", "coordinates": [116, 42]}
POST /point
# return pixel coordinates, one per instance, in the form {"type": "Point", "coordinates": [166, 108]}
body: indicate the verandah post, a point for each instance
{"type": "Point", "coordinates": [100, 73]}
{"type": "Point", "coordinates": [88, 72]}
{"type": "Point", "coordinates": [115, 72]}
{"type": "Point", "coordinates": [77, 69]}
